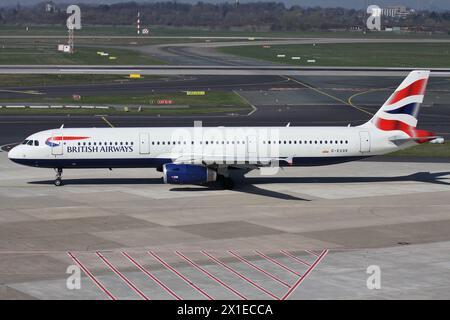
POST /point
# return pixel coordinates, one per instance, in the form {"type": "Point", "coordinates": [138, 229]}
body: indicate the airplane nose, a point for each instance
{"type": "Point", "coordinates": [13, 153]}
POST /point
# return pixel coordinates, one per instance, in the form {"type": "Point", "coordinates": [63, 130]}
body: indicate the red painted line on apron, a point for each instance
{"type": "Point", "coordinates": [91, 276]}
{"type": "Point", "coordinates": [118, 273]}
{"type": "Point", "coordinates": [165, 264]}
{"type": "Point", "coordinates": [312, 252]}
{"type": "Point", "coordinates": [151, 276]}
{"type": "Point", "coordinates": [240, 275]}
{"type": "Point", "coordinates": [287, 253]}
{"type": "Point", "coordinates": [277, 263]}
{"type": "Point", "coordinates": [303, 277]}
{"type": "Point", "coordinates": [192, 263]}
{"type": "Point", "coordinates": [258, 268]}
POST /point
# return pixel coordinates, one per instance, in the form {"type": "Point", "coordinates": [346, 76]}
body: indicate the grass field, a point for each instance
{"type": "Point", "coordinates": [194, 110]}
{"type": "Point", "coordinates": [425, 55]}
{"type": "Point", "coordinates": [198, 32]}
{"type": "Point", "coordinates": [428, 150]}
{"type": "Point", "coordinates": [45, 54]}
{"type": "Point", "coordinates": [211, 99]}
{"type": "Point", "coordinates": [20, 80]}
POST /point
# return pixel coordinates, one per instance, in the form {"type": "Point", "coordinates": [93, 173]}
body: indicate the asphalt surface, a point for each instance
{"type": "Point", "coordinates": [167, 84]}
{"type": "Point", "coordinates": [391, 215]}
{"type": "Point", "coordinates": [219, 67]}
{"type": "Point", "coordinates": [302, 101]}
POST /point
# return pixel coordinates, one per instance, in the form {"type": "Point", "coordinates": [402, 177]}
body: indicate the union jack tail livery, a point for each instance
{"type": "Point", "coordinates": [400, 111]}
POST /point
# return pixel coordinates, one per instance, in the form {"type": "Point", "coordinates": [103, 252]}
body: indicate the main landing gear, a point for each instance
{"type": "Point", "coordinates": [226, 182]}
{"type": "Point", "coordinates": [58, 179]}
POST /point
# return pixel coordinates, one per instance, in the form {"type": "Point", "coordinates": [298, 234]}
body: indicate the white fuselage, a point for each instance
{"type": "Point", "coordinates": [153, 147]}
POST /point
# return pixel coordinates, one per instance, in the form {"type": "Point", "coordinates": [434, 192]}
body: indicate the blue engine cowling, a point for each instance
{"type": "Point", "coordinates": [187, 174]}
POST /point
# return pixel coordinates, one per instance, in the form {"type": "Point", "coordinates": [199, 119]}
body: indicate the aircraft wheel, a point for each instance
{"type": "Point", "coordinates": [227, 183]}
{"type": "Point", "coordinates": [58, 182]}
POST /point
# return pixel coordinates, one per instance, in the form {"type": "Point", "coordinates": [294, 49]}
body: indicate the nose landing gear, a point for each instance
{"type": "Point", "coordinates": [58, 180]}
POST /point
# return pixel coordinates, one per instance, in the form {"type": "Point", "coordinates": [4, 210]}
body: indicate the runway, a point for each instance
{"type": "Point", "coordinates": [389, 214]}
{"type": "Point", "coordinates": [205, 53]}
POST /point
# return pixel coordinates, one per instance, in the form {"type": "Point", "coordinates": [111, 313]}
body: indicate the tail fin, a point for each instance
{"type": "Point", "coordinates": [401, 110]}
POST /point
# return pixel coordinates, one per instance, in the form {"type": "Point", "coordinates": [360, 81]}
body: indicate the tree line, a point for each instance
{"type": "Point", "coordinates": [270, 16]}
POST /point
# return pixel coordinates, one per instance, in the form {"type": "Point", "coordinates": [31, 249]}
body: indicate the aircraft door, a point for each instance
{"type": "Point", "coordinates": [364, 141]}
{"type": "Point", "coordinates": [252, 148]}
{"type": "Point", "coordinates": [144, 143]}
{"type": "Point", "coordinates": [56, 143]}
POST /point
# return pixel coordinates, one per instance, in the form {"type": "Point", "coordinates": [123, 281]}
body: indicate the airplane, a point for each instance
{"type": "Point", "coordinates": [196, 155]}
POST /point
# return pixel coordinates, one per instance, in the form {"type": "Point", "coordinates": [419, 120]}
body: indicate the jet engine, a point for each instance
{"type": "Point", "coordinates": [187, 174]}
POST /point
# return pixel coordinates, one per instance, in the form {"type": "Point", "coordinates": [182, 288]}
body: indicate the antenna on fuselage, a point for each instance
{"type": "Point", "coordinates": [288, 125]}
{"type": "Point", "coordinates": [62, 126]}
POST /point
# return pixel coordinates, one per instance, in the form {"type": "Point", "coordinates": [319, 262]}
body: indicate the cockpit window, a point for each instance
{"type": "Point", "coordinates": [25, 142]}
{"type": "Point", "coordinates": [30, 142]}
{"type": "Point", "coordinates": [36, 143]}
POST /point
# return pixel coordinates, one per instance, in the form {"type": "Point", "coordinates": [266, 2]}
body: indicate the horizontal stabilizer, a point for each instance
{"type": "Point", "coordinates": [398, 141]}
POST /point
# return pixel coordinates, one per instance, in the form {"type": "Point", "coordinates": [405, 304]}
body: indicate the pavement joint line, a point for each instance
{"type": "Point", "coordinates": [330, 96]}
{"type": "Point", "coordinates": [303, 277]}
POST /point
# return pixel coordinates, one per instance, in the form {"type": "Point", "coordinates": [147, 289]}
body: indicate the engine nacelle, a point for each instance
{"type": "Point", "coordinates": [187, 174]}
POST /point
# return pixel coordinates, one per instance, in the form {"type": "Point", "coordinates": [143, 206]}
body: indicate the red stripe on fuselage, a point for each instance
{"type": "Point", "coordinates": [414, 89]}
{"type": "Point", "coordinates": [69, 138]}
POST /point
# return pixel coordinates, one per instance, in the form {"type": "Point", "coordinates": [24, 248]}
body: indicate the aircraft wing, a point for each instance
{"type": "Point", "coordinates": [232, 161]}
